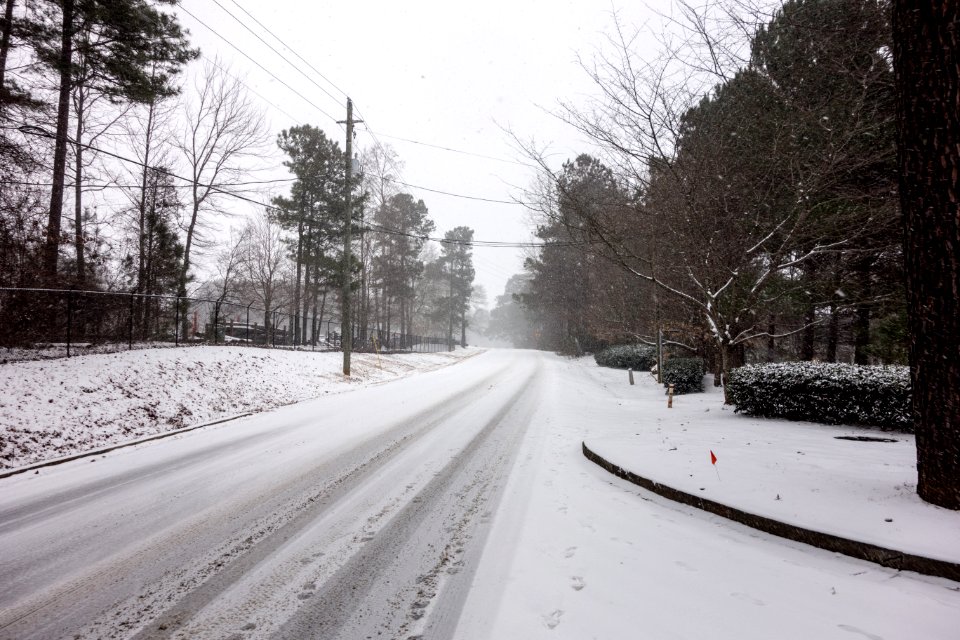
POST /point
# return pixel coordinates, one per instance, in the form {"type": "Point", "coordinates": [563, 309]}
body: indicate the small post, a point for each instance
{"type": "Point", "coordinates": [670, 397]}
{"type": "Point", "coordinates": [130, 336]}
{"type": "Point", "coordinates": [69, 318]}
{"type": "Point", "coordinates": [176, 326]}
{"type": "Point", "coordinates": [248, 324]}
{"type": "Point", "coordinates": [630, 373]}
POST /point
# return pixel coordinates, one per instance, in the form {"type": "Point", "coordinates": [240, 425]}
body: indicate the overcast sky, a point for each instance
{"type": "Point", "coordinates": [451, 74]}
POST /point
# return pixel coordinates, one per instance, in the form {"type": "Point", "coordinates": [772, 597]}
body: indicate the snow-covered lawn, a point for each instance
{"type": "Point", "coordinates": [53, 408]}
{"type": "Point", "coordinates": [575, 552]}
{"type": "Point", "coordinates": [795, 472]}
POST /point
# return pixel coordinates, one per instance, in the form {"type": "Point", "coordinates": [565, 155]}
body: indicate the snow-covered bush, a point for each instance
{"type": "Point", "coordinates": [627, 356]}
{"type": "Point", "coordinates": [825, 392]}
{"type": "Point", "coordinates": [685, 374]}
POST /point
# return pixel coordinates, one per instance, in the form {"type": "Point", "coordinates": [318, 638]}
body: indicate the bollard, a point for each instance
{"type": "Point", "coordinates": [670, 398]}
{"type": "Point", "coordinates": [630, 373]}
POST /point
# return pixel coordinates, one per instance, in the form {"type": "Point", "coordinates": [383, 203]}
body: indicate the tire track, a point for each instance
{"type": "Point", "coordinates": [283, 511]}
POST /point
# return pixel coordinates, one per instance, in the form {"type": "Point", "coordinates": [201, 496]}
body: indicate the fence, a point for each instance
{"type": "Point", "coordinates": [68, 319]}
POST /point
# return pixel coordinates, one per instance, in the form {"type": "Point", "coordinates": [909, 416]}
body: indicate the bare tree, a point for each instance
{"type": "Point", "coordinates": [224, 133]}
{"type": "Point", "coordinates": [264, 264]}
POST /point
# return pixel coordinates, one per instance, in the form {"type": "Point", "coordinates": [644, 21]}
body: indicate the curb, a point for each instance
{"type": "Point", "coordinates": [829, 542]}
{"type": "Point", "coordinates": [113, 447]}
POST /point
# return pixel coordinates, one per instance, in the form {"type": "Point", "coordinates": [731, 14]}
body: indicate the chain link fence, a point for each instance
{"type": "Point", "coordinates": [38, 323]}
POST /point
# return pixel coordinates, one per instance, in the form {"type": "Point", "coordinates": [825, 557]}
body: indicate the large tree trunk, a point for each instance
{"type": "Point", "coordinates": [926, 50]}
{"type": "Point", "coordinates": [732, 356]}
{"type": "Point", "coordinates": [6, 31]}
{"type": "Point", "coordinates": [51, 250]}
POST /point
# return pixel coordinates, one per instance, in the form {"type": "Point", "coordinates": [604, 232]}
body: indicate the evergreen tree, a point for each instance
{"type": "Point", "coordinates": [128, 49]}
{"type": "Point", "coordinates": [457, 260]}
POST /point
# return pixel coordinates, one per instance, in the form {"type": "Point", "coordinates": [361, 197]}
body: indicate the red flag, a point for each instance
{"type": "Point", "coordinates": [713, 458]}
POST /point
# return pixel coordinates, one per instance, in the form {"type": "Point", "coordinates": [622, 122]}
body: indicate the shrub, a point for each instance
{"type": "Point", "coordinates": [685, 374]}
{"type": "Point", "coordinates": [627, 356]}
{"type": "Point", "coordinates": [825, 392]}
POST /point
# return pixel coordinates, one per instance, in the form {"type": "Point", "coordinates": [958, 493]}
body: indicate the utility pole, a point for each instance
{"type": "Point", "coordinates": [346, 329]}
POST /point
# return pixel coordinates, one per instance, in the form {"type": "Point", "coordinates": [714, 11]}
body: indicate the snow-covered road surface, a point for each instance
{"type": "Point", "coordinates": [451, 504]}
{"type": "Point", "coordinates": [343, 515]}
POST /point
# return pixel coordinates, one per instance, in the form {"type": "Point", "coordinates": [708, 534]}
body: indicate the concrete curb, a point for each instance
{"type": "Point", "coordinates": [853, 548]}
{"type": "Point", "coordinates": [113, 447]}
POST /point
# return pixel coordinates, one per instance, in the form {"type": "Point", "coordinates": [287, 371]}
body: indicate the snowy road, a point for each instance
{"type": "Point", "coordinates": [454, 503]}
{"type": "Point", "coordinates": [342, 517]}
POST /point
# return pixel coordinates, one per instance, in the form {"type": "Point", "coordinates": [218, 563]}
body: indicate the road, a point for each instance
{"type": "Point", "coordinates": [454, 503]}
{"type": "Point", "coordinates": [348, 516]}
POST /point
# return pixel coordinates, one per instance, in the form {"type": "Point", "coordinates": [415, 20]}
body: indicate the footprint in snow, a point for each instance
{"type": "Point", "coordinates": [749, 598]}
{"type": "Point", "coordinates": [552, 619]}
{"type": "Point", "coordinates": [577, 583]}
{"type": "Point", "coordinates": [569, 552]}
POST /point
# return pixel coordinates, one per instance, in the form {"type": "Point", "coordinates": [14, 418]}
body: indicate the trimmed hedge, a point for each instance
{"type": "Point", "coordinates": [627, 356]}
{"type": "Point", "coordinates": [685, 374]}
{"type": "Point", "coordinates": [831, 393]}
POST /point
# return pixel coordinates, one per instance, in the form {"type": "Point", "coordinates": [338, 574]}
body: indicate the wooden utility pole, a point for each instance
{"type": "Point", "coordinates": [346, 329]}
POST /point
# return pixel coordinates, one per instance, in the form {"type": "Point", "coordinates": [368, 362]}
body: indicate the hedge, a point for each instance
{"type": "Point", "coordinates": [627, 356]}
{"type": "Point", "coordinates": [825, 392]}
{"type": "Point", "coordinates": [685, 374]}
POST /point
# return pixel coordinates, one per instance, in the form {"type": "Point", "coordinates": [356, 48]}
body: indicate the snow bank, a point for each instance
{"type": "Point", "coordinates": [52, 408]}
{"type": "Point", "coordinates": [795, 472]}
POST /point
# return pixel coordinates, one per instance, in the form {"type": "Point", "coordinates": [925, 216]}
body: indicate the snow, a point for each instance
{"type": "Point", "coordinates": [575, 552]}
{"type": "Point", "coordinates": [58, 407]}
{"type": "Point", "coordinates": [795, 472]}
{"type": "Point", "coordinates": [567, 551]}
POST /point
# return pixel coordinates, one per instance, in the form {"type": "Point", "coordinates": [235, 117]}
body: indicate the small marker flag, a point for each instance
{"type": "Point", "coordinates": [713, 458]}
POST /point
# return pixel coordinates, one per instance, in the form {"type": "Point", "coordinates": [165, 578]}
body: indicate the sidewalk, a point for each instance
{"type": "Point", "coordinates": [795, 473]}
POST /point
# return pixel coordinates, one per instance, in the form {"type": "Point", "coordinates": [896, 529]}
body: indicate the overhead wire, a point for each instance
{"type": "Point", "coordinates": [38, 131]}
{"type": "Point", "coordinates": [269, 46]}
{"type": "Point", "coordinates": [265, 70]}
{"type": "Point", "coordinates": [367, 128]}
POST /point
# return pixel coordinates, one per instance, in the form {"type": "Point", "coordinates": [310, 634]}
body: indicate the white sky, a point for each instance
{"type": "Point", "coordinates": [444, 73]}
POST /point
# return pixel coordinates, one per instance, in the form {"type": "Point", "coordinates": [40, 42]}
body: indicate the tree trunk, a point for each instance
{"type": "Point", "coordinates": [78, 190]}
{"type": "Point", "coordinates": [926, 50]}
{"type": "Point", "coordinates": [732, 356]}
{"type": "Point", "coordinates": [51, 250]}
{"type": "Point", "coordinates": [450, 312]}
{"type": "Point", "coordinates": [862, 328]}
{"type": "Point", "coordinates": [141, 304]}
{"type": "Point", "coordinates": [296, 284]}
{"type": "Point", "coordinates": [808, 341]}
{"type": "Point", "coordinates": [6, 31]}
{"type": "Point", "coordinates": [833, 333]}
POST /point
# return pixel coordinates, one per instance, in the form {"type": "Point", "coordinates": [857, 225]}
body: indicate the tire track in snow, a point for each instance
{"type": "Point", "coordinates": [356, 603]}
{"type": "Point", "coordinates": [105, 591]}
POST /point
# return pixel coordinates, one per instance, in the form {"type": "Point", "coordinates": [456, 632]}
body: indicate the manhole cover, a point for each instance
{"type": "Point", "coordinates": [865, 439]}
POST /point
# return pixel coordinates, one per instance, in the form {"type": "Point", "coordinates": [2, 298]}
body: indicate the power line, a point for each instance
{"type": "Point", "coordinates": [291, 49]}
{"type": "Point", "coordinates": [245, 55]}
{"type": "Point", "coordinates": [249, 88]}
{"type": "Point", "coordinates": [37, 131]}
{"type": "Point", "coordinates": [451, 149]}
{"type": "Point", "coordinates": [455, 195]}
{"type": "Point", "coordinates": [269, 46]}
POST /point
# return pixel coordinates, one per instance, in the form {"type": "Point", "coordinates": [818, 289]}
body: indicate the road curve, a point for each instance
{"type": "Point", "coordinates": [362, 514]}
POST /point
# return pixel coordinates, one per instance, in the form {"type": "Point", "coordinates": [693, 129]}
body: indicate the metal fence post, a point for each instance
{"type": "Point", "coordinates": [176, 326]}
{"type": "Point", "coordinates": [248, 324]}
{"type": "Point", "coordinates": [69, 318]}
{"type": "Point", "coordinates": [130, 334]}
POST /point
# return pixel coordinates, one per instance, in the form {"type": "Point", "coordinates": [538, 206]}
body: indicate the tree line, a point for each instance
{"type": "Point", "coordinates": [757, 219]}
{"type": "Point", "coordinates": [118, 173]}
